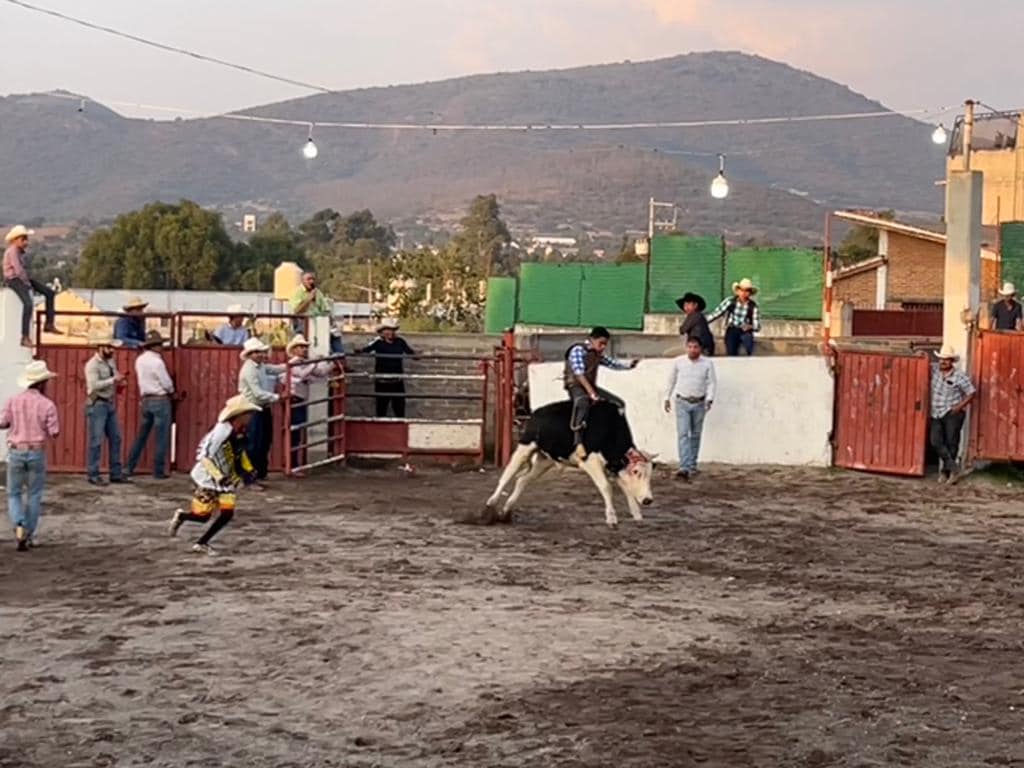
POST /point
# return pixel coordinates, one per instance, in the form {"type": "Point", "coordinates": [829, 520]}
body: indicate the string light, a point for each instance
{"type": "Point", "coordinates": [720, 184]}
{"type": "Point", "coordinates": [309, 150]}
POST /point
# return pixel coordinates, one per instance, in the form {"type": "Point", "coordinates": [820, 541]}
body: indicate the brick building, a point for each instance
{"type": "Point", "coordinates": [909, 270]}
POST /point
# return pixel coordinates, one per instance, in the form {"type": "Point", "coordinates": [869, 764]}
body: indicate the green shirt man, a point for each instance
{"type": "Point", "coordinates": [310, 300]}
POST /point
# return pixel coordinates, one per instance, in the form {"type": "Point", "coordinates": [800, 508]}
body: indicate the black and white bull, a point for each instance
{"type": "Point", "coordinates": [610, 453]}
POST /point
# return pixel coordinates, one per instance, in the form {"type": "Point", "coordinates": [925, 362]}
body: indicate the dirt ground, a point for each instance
{"type": "Point", "coordinates": [756, 618]}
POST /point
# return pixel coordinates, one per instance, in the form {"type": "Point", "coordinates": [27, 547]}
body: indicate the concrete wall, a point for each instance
{"type": "Point", "coordinates": [13, 356]}
{"type": "Point", "coordinates": [771, 410]}
{"type": "Point", "coordinates": [770, 328]}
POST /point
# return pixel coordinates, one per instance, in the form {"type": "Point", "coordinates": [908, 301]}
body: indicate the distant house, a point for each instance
{"type": "Point", "coordinates": [997, 150]}
{"type": "Point", "coordinates": [908, 271]}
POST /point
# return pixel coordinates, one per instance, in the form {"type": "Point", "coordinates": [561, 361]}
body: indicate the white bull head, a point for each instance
{"type": "Point", "coordinates": [635, 478]}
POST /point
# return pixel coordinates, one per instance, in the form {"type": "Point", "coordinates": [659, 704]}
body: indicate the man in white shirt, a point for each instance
{"type": "Point", "coordinates": [156, 389]}
{"type": "Point", "coordinates": [691, 385]}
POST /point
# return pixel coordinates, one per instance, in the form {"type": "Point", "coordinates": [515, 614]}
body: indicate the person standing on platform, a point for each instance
{"type": "Point", "coordinates": [102, 382]}
{"type": "Point", "coordinates": [388, 368]}
{"type": "Point", "coordinates": [257, 381]}
{"type": "Point", "coordinates": [32, 419]}
{"type": "Point", "coordinates": [156, 389]}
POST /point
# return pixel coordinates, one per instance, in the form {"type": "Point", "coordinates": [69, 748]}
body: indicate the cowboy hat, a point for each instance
{"type": "Point", "coordinates": [1008, 289]}
{"type": "Point", "coordinates": [34, 373]}
{"type": "Point", "coordinates": [687, 297]}
{"type": "Point", "coordinates": [253, 345]}
{"type": "Point", "coordinates": [154, 339]}
{"type": "Point", "coordinates": [18, 230]}
{"type": "Point", "coordinates": [947, 353]}
{"type": "Point", "coordinates": [135, 303]}
{"type": "Point", "coordinates": [388, 324]}
{"type": "Point", "coordinates": [236, 406]}
{"type": "Point", "coordinates": [746, 284]}
{"type": "Point", "coordinates": [103, 339]}
{"type": "Point", "coordinates": [236, 310]}
{"type": "Point", "coordinates": [298, 341]}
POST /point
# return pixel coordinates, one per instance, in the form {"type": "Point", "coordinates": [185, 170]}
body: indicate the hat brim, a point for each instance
{"type": "Point", "coordinates": [1005, 294]}
{"type": "Point", "coordinates": [694, 297]}
{"type": "Point", "coordinates": [10, 237]}
{"type": "Point", "coordinates": [143, 305]}
{"type": "Point", "coordinates": [940, 356]}
{"type": "Point", "coordinates": [246, 352]}
{"type": "Point", "coordinates": [114, 343]}
{"type": "Point", "coordinates": [752, 288]}
{"type": "Point", "coordinates": [227, 414]}
{"type": "Point", "coordinates": [24, 382]}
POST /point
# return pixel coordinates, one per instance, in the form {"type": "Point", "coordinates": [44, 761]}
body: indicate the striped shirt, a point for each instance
{"type": "Point", "coordinates": [948, 390]}
{"type": "Point", "coordinates": [31, 417]}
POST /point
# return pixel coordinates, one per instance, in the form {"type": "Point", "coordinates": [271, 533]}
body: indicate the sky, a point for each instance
{"type": "Point", "coordinates": [909, 54]}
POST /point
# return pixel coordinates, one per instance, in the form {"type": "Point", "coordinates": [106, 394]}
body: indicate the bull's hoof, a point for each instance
{"type": "Point", "coordinates": [486, 516]}
{"type": "Point", "coordinates": [613, 525]}
{"type": "Point", "coordinates": [489, 516]}
{"type": "Point", "coordinates": [505, 517]}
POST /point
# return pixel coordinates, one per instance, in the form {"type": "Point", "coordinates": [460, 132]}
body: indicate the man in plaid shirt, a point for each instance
{"type": "Point", "coordinates": [580, 378]}
{"type": "Point", "coordinates": [952, 391]}
{"type": "Point", "coordinates": [742, 318]}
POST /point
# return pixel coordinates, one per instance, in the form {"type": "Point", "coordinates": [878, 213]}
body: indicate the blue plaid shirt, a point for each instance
{"type": "Point", "coordinates": [578, 360]}
{"type": "Point", "coordinates": [949, 390]}
{"type": "Point", "coordinates": [736, 314]}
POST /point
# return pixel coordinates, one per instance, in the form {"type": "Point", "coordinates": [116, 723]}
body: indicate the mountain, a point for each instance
{"type": "Point", "coordinates": [94, 163]}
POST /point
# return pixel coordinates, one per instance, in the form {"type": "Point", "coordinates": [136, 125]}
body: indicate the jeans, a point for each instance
{"type": "Point", "coordinates": [155, 412]}
{"type": "Point", "coordinates": [944, 435]}
{"type": "Point", "coordinates": [581, 403]}
{"type": "Point", "coordinates": [25, 468]}
{"type": "Point", "coordinates": [689, 425]}
{"type": "Point", "coordinates": [300, 413]}
{"type": "Point", "coordinates": [100, 423]}
{"type": "Point", "coordinates": [737, 337]}
{"type": "Point", "coordinates": [24, 292]}
{"type": "Point", "coordinates": [397, 400]}
{"type": "Point", "coordinates": [260, 437]}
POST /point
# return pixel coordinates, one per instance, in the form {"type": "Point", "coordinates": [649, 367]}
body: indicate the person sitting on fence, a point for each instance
{"type": "Point", "coordinates": [16, 277]}
{"type": "Point", "coordinates": [742, 318]}
{"type": "Point", "coordinates": [233, 333]}
{"type": "Point", "coordinates": [388, 368]}
{"type": "Point", "coordinates": [695, 325]}
{"type": "Point", "coordinates": [221, 467]}
{"type": "Point", "coordinates": [582, 361]}
{"type": "Point", "coordinates": [156, 388]}
{"type": "Point", "coordinates": [301, 377]}
{"type": "Point", "coordinates": [257, 381]}
{"type": "Point", "coordinates": [130, 328]}
{"type": "Point", "coordinates": [32, 419]}
{"type": "Point", "coordinates": [1007, 312]}
{"type": "Point", "coordinates": [951, 394]}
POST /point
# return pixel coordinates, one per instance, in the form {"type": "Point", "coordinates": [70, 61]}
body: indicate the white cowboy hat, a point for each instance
{"type": "Point", "coordinates": [1008, 289]}
{"type": "Point", "coordinates": [947, 353]}
{"type": "Point", "coordinates": [103, 339]}
{"type": "Point", "coordinates": [135, 303]}
{"type": "Point", "coordinates": [35, 372]}
{"type": "Point", "coordinates": [18, 230]}
{"type": "Point", "coordinates": [388, 323]}
{"type": "Point", "coordinates": [236, 406]}
{"type": "Point", "coordinates": [253, 345]}
{"type": "Point", "coordinates": [745, 284]}
{"type": "Point", "coordinates": [298, 341]}
{"type": "Point", "coordinates": [236, 310]}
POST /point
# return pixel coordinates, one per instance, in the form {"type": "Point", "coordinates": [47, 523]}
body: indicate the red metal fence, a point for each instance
{"type": "Point", "coordinates": [881, 412]}
{"type": "Point", "coordinates": [997, 416]}
{"type": "Point", "coordinates": [897, 322]}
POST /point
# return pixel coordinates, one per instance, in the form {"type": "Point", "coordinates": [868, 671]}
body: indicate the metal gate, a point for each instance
{"type": "Point", "coordinates": [998, 412]}
{"type": "Point", "coordinates": [881, 412]}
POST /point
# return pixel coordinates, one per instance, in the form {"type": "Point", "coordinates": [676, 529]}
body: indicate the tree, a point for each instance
{"type": "Point", "coordinates": [484, 237]}
{"type": "Point", "coordinates": [318, 230]}
{"type": "Point", "coordinates": [861, 242]}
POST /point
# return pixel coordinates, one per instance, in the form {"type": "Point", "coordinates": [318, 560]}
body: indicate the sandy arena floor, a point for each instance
{"type": "Point", "coordinates": [805, 618]}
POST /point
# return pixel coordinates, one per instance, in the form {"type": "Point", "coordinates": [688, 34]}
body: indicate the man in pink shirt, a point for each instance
{"type": "Point", "coordinates": [31, 418]}
{"type": "Point", "coordinates": [16, 278]}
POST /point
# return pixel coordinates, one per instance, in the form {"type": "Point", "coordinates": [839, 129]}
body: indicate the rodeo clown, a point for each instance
{"type": "Point", "coordinates": [221, 467]}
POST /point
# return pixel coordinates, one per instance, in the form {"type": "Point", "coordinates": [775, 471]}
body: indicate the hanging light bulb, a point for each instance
{"type": "Point", "coordinates": [939, 134]}
{"type": "Point", "coordinates": [720, 185]}
{"type": "Point", "coordinates": [309, 151]}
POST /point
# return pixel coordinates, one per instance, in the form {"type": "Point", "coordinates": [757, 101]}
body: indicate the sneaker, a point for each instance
{"type": "Point", "coordinates": [204, 549]}
{"type": "Point", "coordinates": [177, 520]}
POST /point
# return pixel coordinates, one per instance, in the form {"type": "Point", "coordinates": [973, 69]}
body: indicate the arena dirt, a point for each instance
{"type": "Point", "coordinates": [757, 618]}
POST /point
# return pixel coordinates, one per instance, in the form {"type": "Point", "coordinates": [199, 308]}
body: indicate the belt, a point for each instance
{"type": "Point", "coordinates": [26, 446]}
{"type": "Point", "coordinates": [691, 399]}
{"type": "Point", "coordinates": [155, 397]}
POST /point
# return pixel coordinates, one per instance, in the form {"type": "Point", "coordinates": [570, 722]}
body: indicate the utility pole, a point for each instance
{"type": "Point", "coordinates": [652, 222]}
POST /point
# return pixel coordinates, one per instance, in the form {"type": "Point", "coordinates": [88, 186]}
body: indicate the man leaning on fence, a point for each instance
{"type": "Point", "coordinates": [156, 388]}
{"type": "Point", "coordinates": [303, 373]}
{"type": "Point", "coordinates": [951, 394]}
{"type": "Point", "coordinates": [102, 382]}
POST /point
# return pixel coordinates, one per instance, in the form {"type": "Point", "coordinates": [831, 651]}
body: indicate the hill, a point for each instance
{"type": "Point", "coordinates": [96, 163]}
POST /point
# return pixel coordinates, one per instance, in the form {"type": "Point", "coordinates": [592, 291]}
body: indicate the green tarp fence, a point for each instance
{"type": "Point", "coordinates": [1012, 245]}
{"type": "Point", "coordinates": [680, 264]}
{"type": "Point", "coordinates": [789, 280]}
{"type": "Point", "coordinates": [500, 309]}
{"type": "Point", "coordinates": [583, 294]}
{"type": "Point", "coordinates": [549, 294]}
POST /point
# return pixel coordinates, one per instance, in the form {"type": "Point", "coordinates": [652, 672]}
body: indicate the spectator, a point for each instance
{"type": "Point", "coordinates": [257, 381]}
{"type": "Point", "coordinates": [233, 333]}
{"type": "Point", "coordinates": [1006, 313]}
{"type": "Point", "coordinates": [691, 384]}
{"type": "Point", "coordinates": [130, 328]}
{"type": "Point", "coordinates": [388, 380]}
{"type": "Point", "coordinates": [156, 388]}
{"type": "Point", "coordinates": [742, 318]}
{"type": "Point", "coordinates": [951, 394]}
{"type": "Point", "coordinates": [695, 325]}
{"type": "Point", "coordinates": [309, 301]}
{"type": "Point", "coordinates": [303, 373]}
{"type": "Point", "coordinates": [31, 418]}
{"type": "Point", "coordinates": [16, 277]}
{"type": "Point", "coordinates": [102, 381]}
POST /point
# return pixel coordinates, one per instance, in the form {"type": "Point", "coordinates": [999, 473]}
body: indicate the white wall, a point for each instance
{"type": "Point", "coordinates": [13, 356]}
{"type": "Point", "coordinates": [769, 410]}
